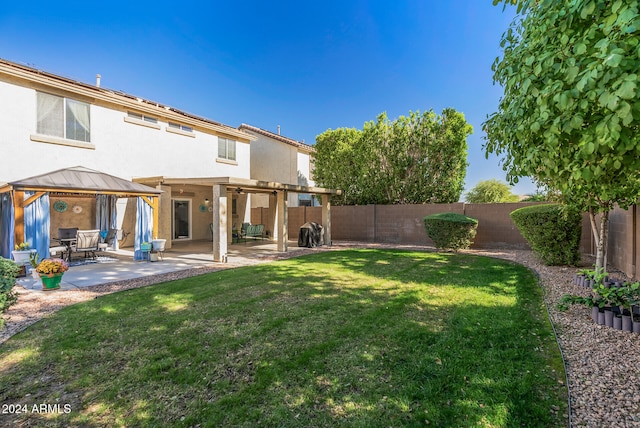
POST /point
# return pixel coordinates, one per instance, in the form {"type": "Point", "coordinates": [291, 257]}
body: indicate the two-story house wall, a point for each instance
{"type": "Point", "coordinates": [278, 158]}
{"type": "Point", "coordinates": [48, 122]}
{"type": "Point", "coordinates": [203, 168]}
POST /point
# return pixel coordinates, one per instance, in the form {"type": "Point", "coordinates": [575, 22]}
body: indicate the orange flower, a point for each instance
{"type": "Point", "coordinates": [50, 266]}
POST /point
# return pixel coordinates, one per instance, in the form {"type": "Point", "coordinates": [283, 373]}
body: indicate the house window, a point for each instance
{"type": "Point", "coordinates": [142, 117]}
{"type": "Point", "coordinates": [226, 148]}
{"type": "Point", "coordinates": [184, 128]}
{"type": "Point", "coordinates": [64, 118]}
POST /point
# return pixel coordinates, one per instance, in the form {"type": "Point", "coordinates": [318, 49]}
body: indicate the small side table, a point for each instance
{"type": "Point", "coordinates": [145, 249]}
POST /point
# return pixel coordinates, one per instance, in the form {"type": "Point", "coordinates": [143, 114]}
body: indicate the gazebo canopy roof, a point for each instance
{"type": "Point", "coordinates": [81, 180]}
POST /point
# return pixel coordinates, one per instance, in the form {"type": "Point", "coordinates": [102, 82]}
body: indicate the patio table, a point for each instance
{"type": "Point", "coordinates": [67, 242]}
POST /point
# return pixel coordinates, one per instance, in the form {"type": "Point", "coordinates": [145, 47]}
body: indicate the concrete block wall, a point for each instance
{"type": "Point", "coordinates": [495, 227]}
{"type": "Point", "coordinates": [402, 224]}
{"type": "Point", "coordinates": [353, 223]}
{"type": "Point", "coordinates": [623, 240]}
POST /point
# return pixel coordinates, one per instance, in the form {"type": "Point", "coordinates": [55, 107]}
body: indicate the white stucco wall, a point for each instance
{"type": "Point", "coordinates": [120, 148]}
{"type": "Point", "coordinates": [274, 160]}
{"type": "Point", "coordinates": [304, 167]}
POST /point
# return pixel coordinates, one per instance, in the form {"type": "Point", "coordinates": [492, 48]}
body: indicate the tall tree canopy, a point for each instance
{"type": "Point", "coordinates": [419, 158]}
{"type": "Point", "coordinates": [570, 113]}
{"type": "Point", "coordinates": [491, 191]}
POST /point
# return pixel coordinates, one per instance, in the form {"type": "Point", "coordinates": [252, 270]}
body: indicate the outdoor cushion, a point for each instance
{"type": "Point", "coordinates": [58, 251]}
{"type": "Point", "coordinates": [87, 241]}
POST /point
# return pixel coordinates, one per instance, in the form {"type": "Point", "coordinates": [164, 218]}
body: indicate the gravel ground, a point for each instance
{"type": "Point", "coordinates": [603, 365]}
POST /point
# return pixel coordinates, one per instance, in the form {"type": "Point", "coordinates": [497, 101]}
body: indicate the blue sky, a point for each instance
{"type": "Point", "coordinates": [307, 66]}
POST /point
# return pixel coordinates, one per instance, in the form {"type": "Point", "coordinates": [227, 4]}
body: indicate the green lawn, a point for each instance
{"type": "Point", "coordinates": [360, 338]}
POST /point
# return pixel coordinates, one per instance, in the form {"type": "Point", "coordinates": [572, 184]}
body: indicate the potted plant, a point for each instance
{"type": "Point", "coordinates": [630, 297]}
{"type": "Point", "coordinates": [34, 258]}
{"type": "Point", "coordinates": [51, 271]}
{"type": "Point", "coordinates": [21, 253]}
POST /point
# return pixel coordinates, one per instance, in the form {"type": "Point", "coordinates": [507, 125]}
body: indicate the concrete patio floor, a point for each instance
{"type": "Point", "coordinates": [119, 265]}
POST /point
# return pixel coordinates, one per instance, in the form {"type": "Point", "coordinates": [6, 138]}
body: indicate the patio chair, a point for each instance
{"type": "Point", "coordinates": [237, 235]}
{"type": "Point", "coordinates": [108, 240]}
{"type": "Point", "coordinates": [58, 251]}
{"type": "Point", "coordinates": [87, 241]}
{"type": "Point", "coordinates": [67, 232]}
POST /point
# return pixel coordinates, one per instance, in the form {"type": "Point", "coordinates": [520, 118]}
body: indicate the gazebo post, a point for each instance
{"type": "Point", "coordinates": [155, 206]}
{"type": "Point", "coordinates": [18, 216]}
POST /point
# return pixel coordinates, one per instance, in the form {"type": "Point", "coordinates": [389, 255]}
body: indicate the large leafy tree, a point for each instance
{"type": "Point", "coordinates": [488, 191]}
{"type": "Point", "coordinates": [417, 158]}
{"type": "Point", "coordinates": [570, 113]}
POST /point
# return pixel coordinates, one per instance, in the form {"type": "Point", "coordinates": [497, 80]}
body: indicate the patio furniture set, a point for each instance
{"type": "Point", "coordinates": [71, 240]}
{"type": "Point", "coordinates": [248, 230]}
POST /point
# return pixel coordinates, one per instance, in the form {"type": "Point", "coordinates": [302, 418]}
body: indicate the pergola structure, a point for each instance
{"type": "Point", "coordinates": [75, 181]}
{"type": "Point", "coordinates": [222, 189]}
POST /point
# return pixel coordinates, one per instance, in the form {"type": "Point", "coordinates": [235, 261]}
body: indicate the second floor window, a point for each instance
{"type": "Point", "coordinates": [63, 117]}
{"type": "Point", "coordinates": [142, 117]}
{"type": "Point", "coordinates": [226, 148]}
{"type": "Point", "coordinates": [184, 128]}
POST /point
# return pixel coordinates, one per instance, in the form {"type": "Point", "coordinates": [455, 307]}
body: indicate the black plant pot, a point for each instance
{"type": "Point", "coordinates": [617, 322]}
{"type": "Point", "coordinates": [608, 317]}
{"type": "Point", "coordinates": [627, 323]}
{"type": "Point", "coordinates": [594, 313]}
{"type": "Point", "coordinates": [601, 320]}
{"type": "Point", "coordinates": [636, 327]}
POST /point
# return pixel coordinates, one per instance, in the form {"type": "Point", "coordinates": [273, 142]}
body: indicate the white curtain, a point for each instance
{"type": "Point", "coordinates": [50, 115]}
{"type": "Point", "coordinates": [80, 112]}
{"type": "Point", "coordinates": [231, 149]}
{"type": "Point", "coordinates": [222, 148]}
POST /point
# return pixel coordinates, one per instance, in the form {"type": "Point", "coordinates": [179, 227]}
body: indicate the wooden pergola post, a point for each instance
{"type": "Point", "coordinates": [18, 216]}
{"type": "Point", "coordinates": [153, 203]}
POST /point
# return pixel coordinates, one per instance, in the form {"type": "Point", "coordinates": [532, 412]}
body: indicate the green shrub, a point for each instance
{"type": "Point", "coordinates": [552, 231]}
{"type": "Point", "coordinates": [451, 231]}
{"type": "Point", "coordinates": [8, 272]}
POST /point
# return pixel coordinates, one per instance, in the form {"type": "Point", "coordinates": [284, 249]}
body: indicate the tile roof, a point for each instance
{"type": "Point", "coordinates": [114, 96]}
{"type": "Point", "coordinates": [278, 137]}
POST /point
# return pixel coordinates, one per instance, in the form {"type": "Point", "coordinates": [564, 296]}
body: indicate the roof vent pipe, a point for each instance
{"type": "Point", "coordinates": [278, 129]}
{"type": "Point", "coordinates": [98, 77]}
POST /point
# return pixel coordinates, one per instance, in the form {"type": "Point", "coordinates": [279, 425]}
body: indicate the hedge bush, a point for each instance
{"type": "Point", "coordinates": [8, 272]}
{"type": "Point", "coordinates": [552, 231]}
{"type": "Point", "coordinates": [450, 231]}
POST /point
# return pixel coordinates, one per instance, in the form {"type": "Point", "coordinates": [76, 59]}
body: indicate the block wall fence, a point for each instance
{"type": "Point", "coordinates": [402, 224]}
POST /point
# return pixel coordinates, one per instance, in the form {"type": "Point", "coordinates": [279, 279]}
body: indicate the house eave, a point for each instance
{"type": "Point", "coordinates": [126, 101]}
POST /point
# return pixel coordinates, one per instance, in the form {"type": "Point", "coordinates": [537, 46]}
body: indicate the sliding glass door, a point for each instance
{"type": "Point", "coordinates": [181, 219]}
